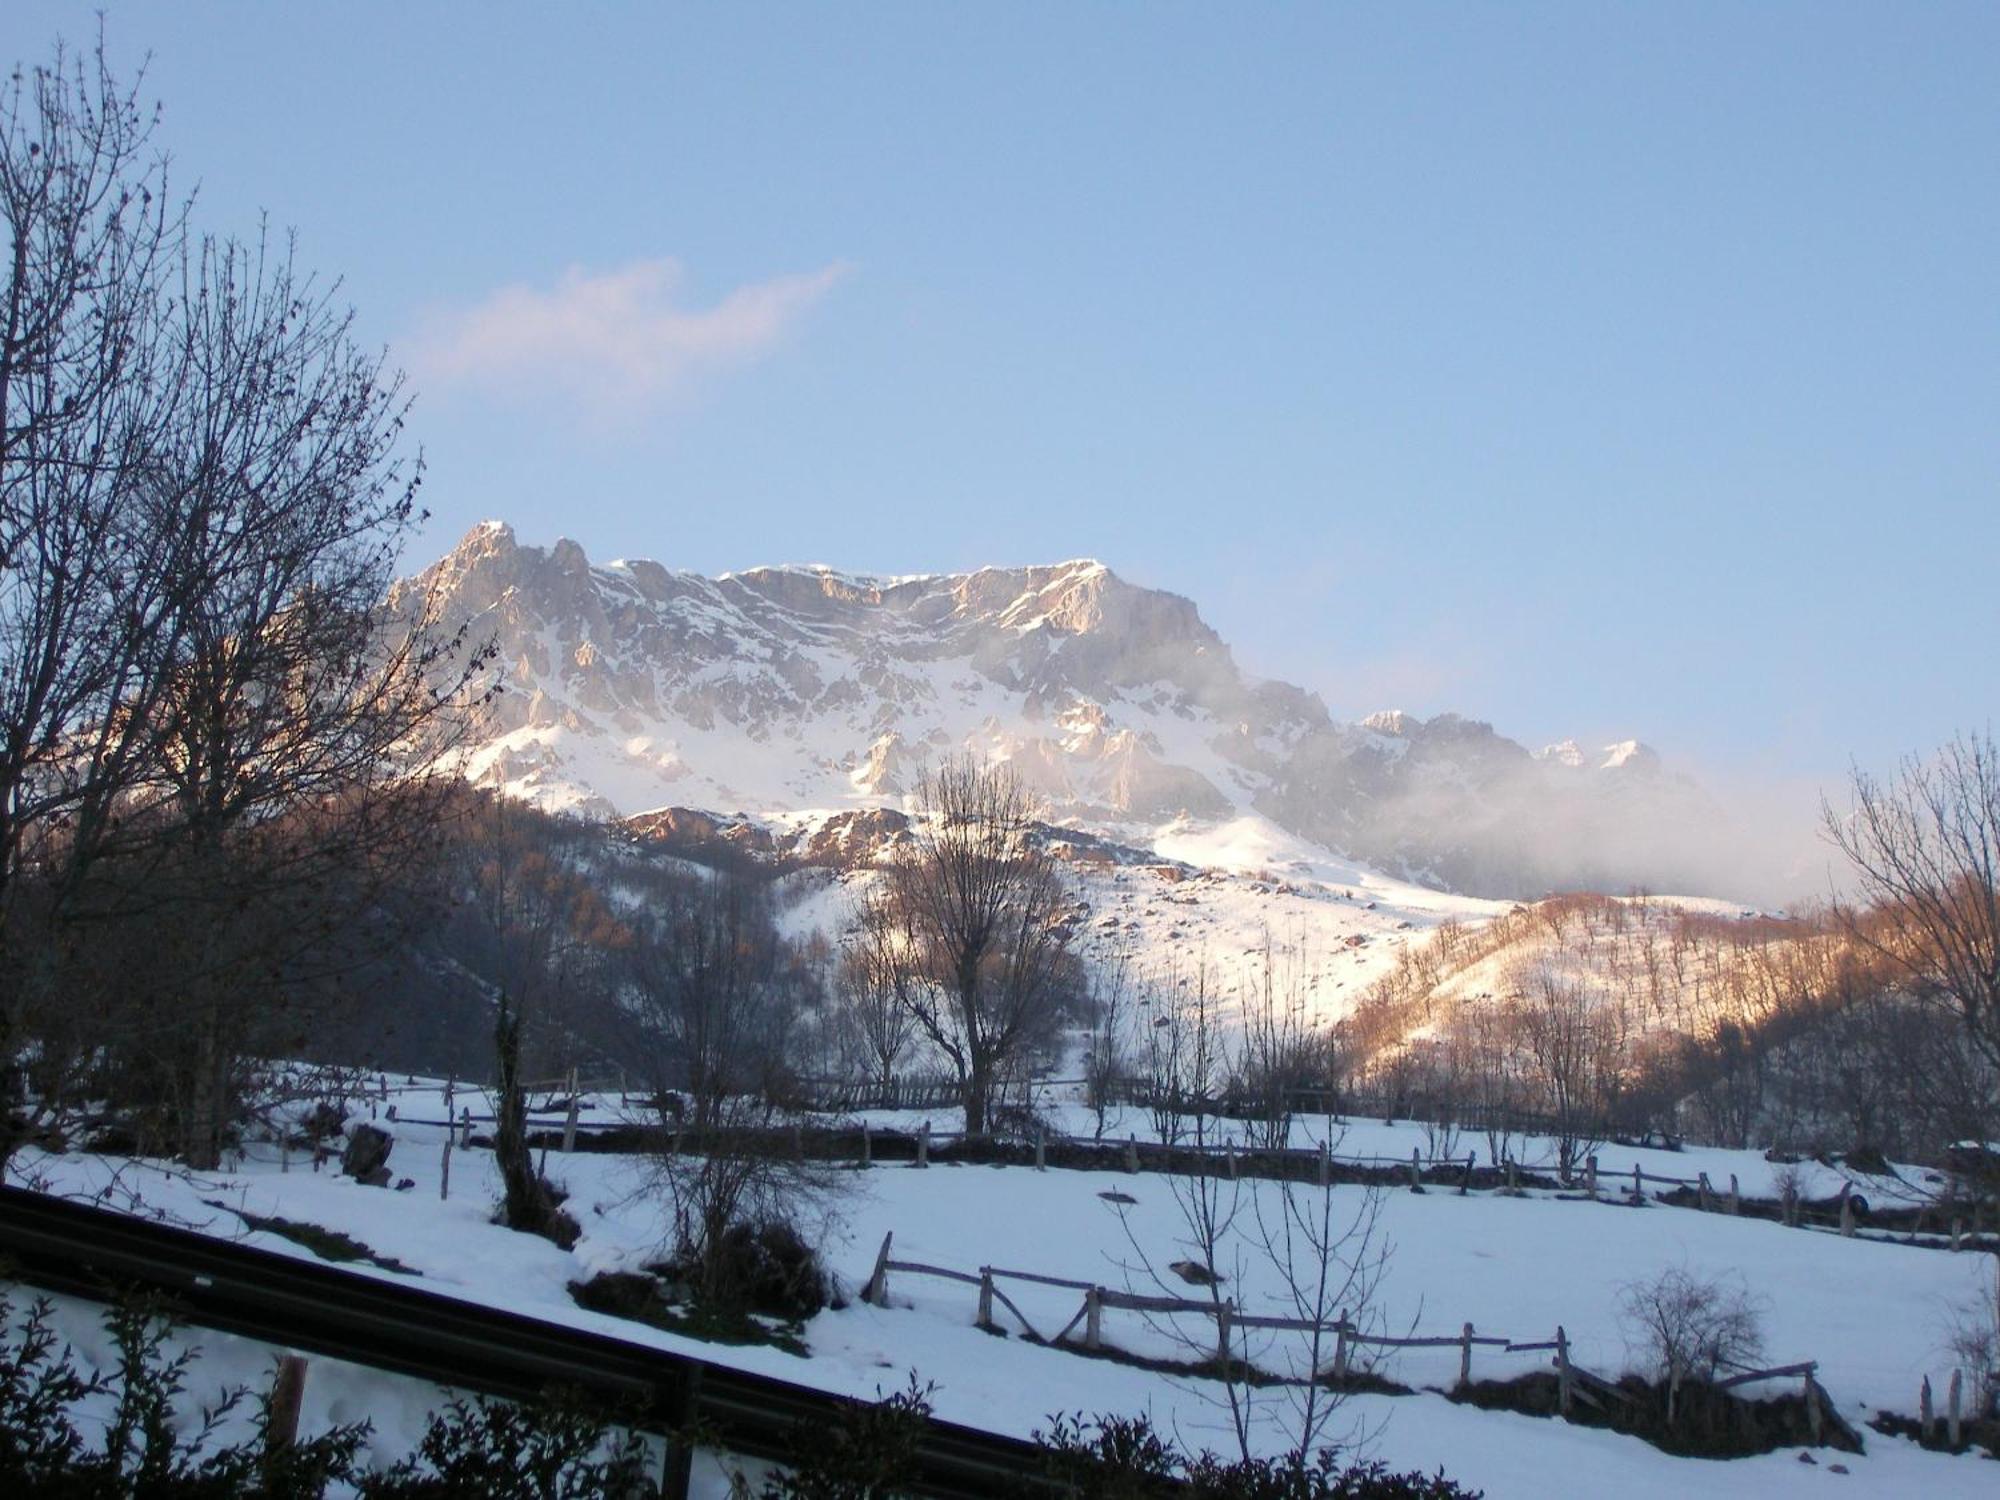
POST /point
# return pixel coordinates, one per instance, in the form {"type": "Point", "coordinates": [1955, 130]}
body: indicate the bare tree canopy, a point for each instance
{"type": "Point", "coordinates": [207, 717]}
{"type": "Point", "coordinates": [970, 915]}
{"type": "Point", "coordinates": [1925, 847]}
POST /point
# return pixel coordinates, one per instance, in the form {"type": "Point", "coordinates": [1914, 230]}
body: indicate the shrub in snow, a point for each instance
{"type": "Point", "coordinates": [1692, 1327]}
{"type": "Point", "coordinates": [1123, 1458]}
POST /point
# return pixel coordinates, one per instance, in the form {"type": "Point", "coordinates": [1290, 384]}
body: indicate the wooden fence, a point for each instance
{"type": "Point", "coordinates": [1574, 1383]}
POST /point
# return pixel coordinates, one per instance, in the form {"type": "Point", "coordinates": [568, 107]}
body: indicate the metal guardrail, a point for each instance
{"type": "Point", "coordinates": [91, 1252]}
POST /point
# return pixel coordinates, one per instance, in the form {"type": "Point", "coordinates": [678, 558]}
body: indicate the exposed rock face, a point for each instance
{"type": "Point", "coordinates": [628, 687]}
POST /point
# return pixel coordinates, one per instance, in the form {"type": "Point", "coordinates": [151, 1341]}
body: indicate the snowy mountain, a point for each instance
{"type": "Point", "coordinates": [787, 691]}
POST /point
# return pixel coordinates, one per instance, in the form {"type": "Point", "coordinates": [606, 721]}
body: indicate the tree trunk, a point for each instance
{"type": "Point", "coordinates": [978, 1084]}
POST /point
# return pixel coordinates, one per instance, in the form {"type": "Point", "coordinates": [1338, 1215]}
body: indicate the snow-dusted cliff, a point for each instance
{"type": "Point", "coordinates": [628, 686]}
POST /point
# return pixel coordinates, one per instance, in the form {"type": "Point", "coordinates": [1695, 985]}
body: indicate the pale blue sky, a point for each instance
{"type": "Point", "coordinates": [1600, 370]}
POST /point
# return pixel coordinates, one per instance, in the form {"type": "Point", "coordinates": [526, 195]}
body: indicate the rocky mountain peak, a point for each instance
{"type": "Point", "coordinates": [777, 691]}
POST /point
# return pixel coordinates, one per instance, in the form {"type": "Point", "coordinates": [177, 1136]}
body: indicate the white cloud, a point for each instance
{"type": "Point", "coordinates": [611, 340]}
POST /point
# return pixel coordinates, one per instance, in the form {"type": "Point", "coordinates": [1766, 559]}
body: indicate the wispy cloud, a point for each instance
{"type": "Point", "coordinates": [611, 341]}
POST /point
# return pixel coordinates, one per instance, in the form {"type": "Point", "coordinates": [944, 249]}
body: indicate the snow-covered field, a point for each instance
{"type": "Point", "coordinates": [1876, 1316]}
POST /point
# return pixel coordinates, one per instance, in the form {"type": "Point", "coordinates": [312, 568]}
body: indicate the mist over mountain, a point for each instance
{"type": "Point", "coordinates": [782, 691]}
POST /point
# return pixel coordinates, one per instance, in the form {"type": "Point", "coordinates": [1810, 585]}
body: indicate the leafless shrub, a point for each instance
{"type": "Point", "coordinates": [1974, 1342]}
{"type": "Point", "coordinates": [1693, 1327]}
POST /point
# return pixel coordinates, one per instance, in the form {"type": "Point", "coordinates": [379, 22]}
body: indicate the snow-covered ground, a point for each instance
{"type": "Point", "coordinates": [1877, 1317]}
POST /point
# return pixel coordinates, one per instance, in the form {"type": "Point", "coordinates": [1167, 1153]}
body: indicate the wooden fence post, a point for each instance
{"type": "Point", "coordinates": [444, 1173]}
{"type": "Point", "coordinates": [1513, 1179]}
{"type": "Point", "coordinates": [1957, 1233]}
{"type": "Point", "coordinates": [924, 1144]}
{"type": "Point", "coordinates": [1222, 1316]}
{"type": "Point", "coordinates": [1701, 1187]}
{"type": "Point", "coordinates": [877, 1290]}
{"type": "Point", "coordinates": [1325, 1163]}
{"type": "Point", "coordinates": [1791, 1206]}
{"type": "Point", "coordinates": [1041, 1149]}
{"type": "Point", "coordinates": [1846, 1216]}
{"type": "Point", "coordinates": [288, 1392]}
{"type": "Point", "coordinates": [569, 1120]}
{"type": "Point", "coordinates": [1815, 1416]}
{"type": "Point", "coordinates": [1465, 1182]}
{"type": "Point", "coordinates": [1340, 1347]}
{"type": "Point", "coordinates": [1416, 1171]}
{"type": "Point", "coordinates": [1926, 1413]}
{"type": "Point", "coordinates": [1093, 1318]}
{"type": "Point", "coordinates": [465, 1119]}
{"type": "Point", "coordinates": [1131, 1154]}
{"type": "Point", "coordinates": [1590, 1176]}
{"type": "Point", "coordinates": [985, 1296]}
{"type": "Point", "coordinates": [1465, 1356]}
{"type": "Point", "coordinates": [1562, 1370]}
{"type": "Point", "coordinates": [1954, 1428]}
{"type": "Point", "coordinates": [867, 1145]}
{"type": "Point", "coordinates": [1229, 1158]}
{"type": "Point", "coordinates": [1735, 1195]}
{"type": "Point", "coordinates": [1638, 1186]}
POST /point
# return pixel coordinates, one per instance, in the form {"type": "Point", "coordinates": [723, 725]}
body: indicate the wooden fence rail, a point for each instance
{"type": "Point", "coordinates": [1573, 1381]}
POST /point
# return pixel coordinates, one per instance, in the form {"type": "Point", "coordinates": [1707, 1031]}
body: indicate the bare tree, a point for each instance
{"type": "Point", "coordinates": [1925, 849]}
{"type": "Point", "coordinates": [202, 501]}
{"type": "Point", "coordinates": [875, 986]}
{"type": "Point", "coordinates": [970, 909]}
{"type": "Point", "coordinates": [1107, 1049]}
{"type": "Point", "coordinates": [712, 1005]}
{"type": "Point", "coordinates": [1575, 1047]}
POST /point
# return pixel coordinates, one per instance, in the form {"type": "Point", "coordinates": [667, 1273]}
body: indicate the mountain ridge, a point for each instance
{"type": "Point", "coordinates": [629, 687]}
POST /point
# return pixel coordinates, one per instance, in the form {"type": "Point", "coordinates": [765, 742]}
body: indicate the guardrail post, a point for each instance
{"type": "Point", "coordinates": [677, 1480]}
{"type": "Point", "coordinates": [1953, 1417]}
{"type": "Point", "coordinates": [288, 1392]}
{"type": "Point", "coordinates": [1093, 1318]}
{"type": "Point", "coordinates": [1465, 1356]}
